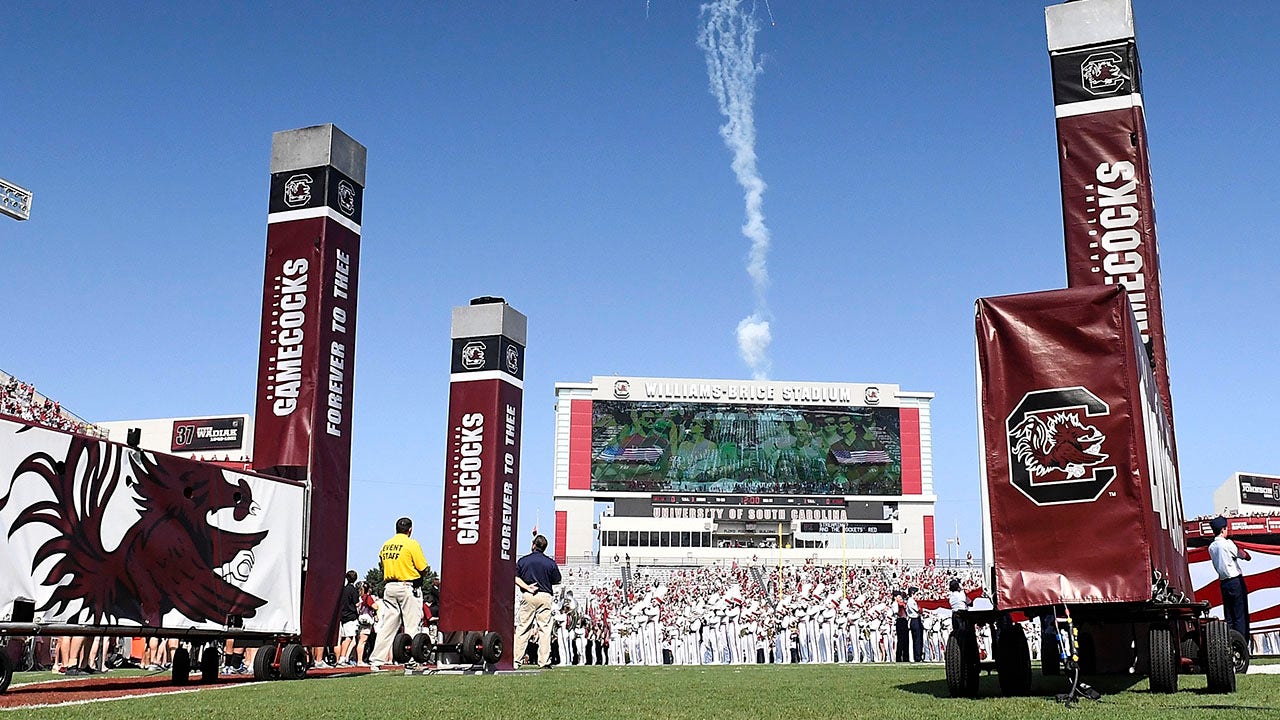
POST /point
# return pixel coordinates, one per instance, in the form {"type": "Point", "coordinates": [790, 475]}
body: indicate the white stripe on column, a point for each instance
{"type": "Point", "coordinates": [1085, 107]}
{"type": "Point", "coordinates": [308, 213]}
{"type": "Point", "coordinates": [485, 375]}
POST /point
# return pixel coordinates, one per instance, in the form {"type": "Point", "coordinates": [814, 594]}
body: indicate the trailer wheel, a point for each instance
{"type": "Point", "coordinates": [491, 651]}
{"type": "Point", "coordinates": [1013, 662]}
{"type": "Point", "coordinates": [293, 662]}
{"type": "Point", "coordinates": [181, 666]}
{"type": "Point", "coordinates": [423, 650]}
{"type": "Point", "coordinates": [1239, 652]}
{"type": "Point", "coordinates": [210, 660]}
{"type": "Point", "coordinates": [264, 664]}
{"type": "Point", "coordinates": [402, 648]}
{"type": "Point", "coordinates": [1218, 655]}
{"type": "Point", "coordinates": [6, 671]}
{"type": "Point", "coordinates": [1164, 660]}
{"type": "Point", "coordinates": [470, 648]}
{"type": "Point", "coordinates": [960, 660]}
{"type": "Point", "coordinates": [1192, 651]}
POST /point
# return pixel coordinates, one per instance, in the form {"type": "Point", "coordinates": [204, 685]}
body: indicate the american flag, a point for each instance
{"type": "Point", "coordinates": [1261, 577]}
{"type": "Point", "coordinates": [645, 454]}
{"type": "Point", "coordinates": [861, 457]}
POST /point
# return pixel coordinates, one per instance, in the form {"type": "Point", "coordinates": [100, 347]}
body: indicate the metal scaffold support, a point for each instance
{"type": "Point", "coordinates": [15, 201]}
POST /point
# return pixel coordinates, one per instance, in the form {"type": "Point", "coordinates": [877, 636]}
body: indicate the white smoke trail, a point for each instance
{"type": "Point", "coordinates": [728, 37]}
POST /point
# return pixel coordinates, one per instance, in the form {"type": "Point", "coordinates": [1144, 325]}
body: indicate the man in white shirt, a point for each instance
{"type": "Point", "coordinates": [915, 625]}
{"type": "Point", "coordinates": [1226, 557]}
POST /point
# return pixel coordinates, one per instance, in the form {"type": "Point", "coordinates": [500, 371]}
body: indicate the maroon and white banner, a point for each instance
{"type": "Point", "coordinates": [1107, 210]}
{"type": "Point", "coordinates": [98, 533]}
{"type": "Point", "coordinates": [1075, 446]}
{"type": "Point", "coordinates": [306, 364]}
{"type": "Point", "coordinates": [1261, 578]}
{"type": "Point", "coordinates": [482, 490]}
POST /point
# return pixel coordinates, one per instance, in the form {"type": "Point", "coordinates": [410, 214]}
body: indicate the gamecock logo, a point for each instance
{"type": "Point", "coordinates": [346, 197]}
{"type": "Point", "coordinates": [297, 190]}
{"type": "Point", "coordinates": [621, 389]}
{"type": "Point", "coordinates": [170, 554]}
{"type": "Point", "coordinates": [1103, 73]}
{"type": "Point", "coordinates": [473, 355]}
{"type": "Point", "coordinates": [513, 360]}
{"type": "Point", "coordinates": [1055, 454]}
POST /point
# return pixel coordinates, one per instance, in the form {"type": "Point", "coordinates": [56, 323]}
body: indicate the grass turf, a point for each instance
{"type": "Point", "coordinates": [741, 693]}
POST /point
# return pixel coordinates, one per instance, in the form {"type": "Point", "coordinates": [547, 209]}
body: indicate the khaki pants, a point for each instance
{"type": "Point", "coordinates": [400, 602]}
{"type": "Point", "coordinates": [534, 617]}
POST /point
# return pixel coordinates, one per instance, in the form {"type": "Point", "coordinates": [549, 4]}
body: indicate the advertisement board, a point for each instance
{"type": "Point", "coordinates": [205, 434]}
{"type": "Point", "coordinates": [1259, 490]}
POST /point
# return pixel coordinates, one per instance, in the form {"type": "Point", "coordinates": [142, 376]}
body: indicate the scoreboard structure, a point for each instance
{"type": "Point", "coordinates": [696, 471]}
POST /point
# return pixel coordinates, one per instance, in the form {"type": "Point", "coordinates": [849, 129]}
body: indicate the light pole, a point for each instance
{"type": "Point", "coordinates": [15, 201]}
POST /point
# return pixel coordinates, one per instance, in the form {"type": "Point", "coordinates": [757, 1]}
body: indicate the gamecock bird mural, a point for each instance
{"type": "Point", "coordinates": [109, 534]}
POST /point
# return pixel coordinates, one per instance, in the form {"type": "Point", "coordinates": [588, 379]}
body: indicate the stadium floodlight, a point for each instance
{"type": "Point", "coordinates": [15, 201]}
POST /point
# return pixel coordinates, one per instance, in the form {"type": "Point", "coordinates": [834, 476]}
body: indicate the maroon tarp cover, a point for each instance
{"type": "Point", "coordinates": [1081, 496]}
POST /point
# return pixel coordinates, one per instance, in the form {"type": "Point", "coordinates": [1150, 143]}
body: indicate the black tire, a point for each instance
{"type": "Point", "coordinates": [1050, 655]}
{"type": "Point", "coordinates": [28, 661]}
{"type": "Point", "coordinates": [1220, 669]}
{"type": "Point", "coordinates": [1013, 662]}
{"type": "Point", "coordinates": [181, 666]}
{"type": "Point", "coordinates": [423, 650]}
{"type": "Point", "coordinates": [1239, 653]}
{"type": "Point", "coordinates": [1192, 651]}
{"type": "Point", "coordinates": [960, 660]}
{"type": "Point", "coordinates": [264, 664]}
{"type": "Point", "coordinates": [294, 662]}
{"type": "Point", "coordinates": [210, 665]}
{"type": "Point", "coordinates": [470, 648]}
{"type": "Point", "coordinates": [402, 648]}
{"type": "Point", "coordinates": [491, 651]}
{"type": "Point", "coordinates": [1163, 677]}
{"type": "Point", "coordinates": [6, 671]}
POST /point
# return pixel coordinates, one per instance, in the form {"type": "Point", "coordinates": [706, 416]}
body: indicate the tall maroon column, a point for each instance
{"type": "Point", "coordinates": [1108, 216]}
{"type": "Point", "coordinates": [482, 471]}
{"type": "Point", "coordinates": [306, 356]}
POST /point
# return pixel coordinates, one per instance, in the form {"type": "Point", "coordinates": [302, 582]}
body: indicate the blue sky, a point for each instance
{"type": "Point", "coordinates": [566, 155]}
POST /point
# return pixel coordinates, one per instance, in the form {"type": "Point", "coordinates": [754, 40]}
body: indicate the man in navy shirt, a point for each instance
{"type": "Point", "coordinates": [536, 574]}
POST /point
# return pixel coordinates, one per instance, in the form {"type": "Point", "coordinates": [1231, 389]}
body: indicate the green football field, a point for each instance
{"type": "Point", "coordinates": [788, 691]}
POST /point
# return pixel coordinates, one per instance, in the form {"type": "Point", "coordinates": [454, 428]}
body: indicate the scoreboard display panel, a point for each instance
{"type": "Point", "coordinates": [745, 448]}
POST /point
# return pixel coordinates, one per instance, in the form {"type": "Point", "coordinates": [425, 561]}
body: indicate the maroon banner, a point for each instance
{"type": "Point", "coordinates": [289, 354]}
{"type": "Point", "coordinates": [329, 468]}
{"type": "Point", "coordinates": [482, 471]}
{"type": "Point", "coordinates": [1081, 496]}
{"type": "Point", "coordinates": [302, 428]}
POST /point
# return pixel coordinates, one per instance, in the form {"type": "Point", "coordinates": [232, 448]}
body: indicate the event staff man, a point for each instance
{"type": "Point", "coordinates": [1226, 557]}
{"type": "Point", "coordinates": [402, 565]}
{"type": "Point", "coordinates": [536, 575]}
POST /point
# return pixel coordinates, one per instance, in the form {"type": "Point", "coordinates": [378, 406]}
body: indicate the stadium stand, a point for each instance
{"type": "Point", "coordinates": [21, 400]}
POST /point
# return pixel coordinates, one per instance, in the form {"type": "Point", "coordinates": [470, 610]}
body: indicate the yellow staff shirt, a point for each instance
{"type": "Point", "coordinates": [402, 559]}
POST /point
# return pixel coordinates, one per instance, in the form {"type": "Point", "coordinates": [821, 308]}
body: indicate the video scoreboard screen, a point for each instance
{"type": "Point", "coordinates": [745, 449]}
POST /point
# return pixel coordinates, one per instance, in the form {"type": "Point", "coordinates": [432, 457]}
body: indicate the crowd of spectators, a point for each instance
{"type": "Point", "coordinates": [1234, 513]}
{"type": "Point", "coordinates": [21, 400]}
{"type": "Point", "coordinates": [735, 613]}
